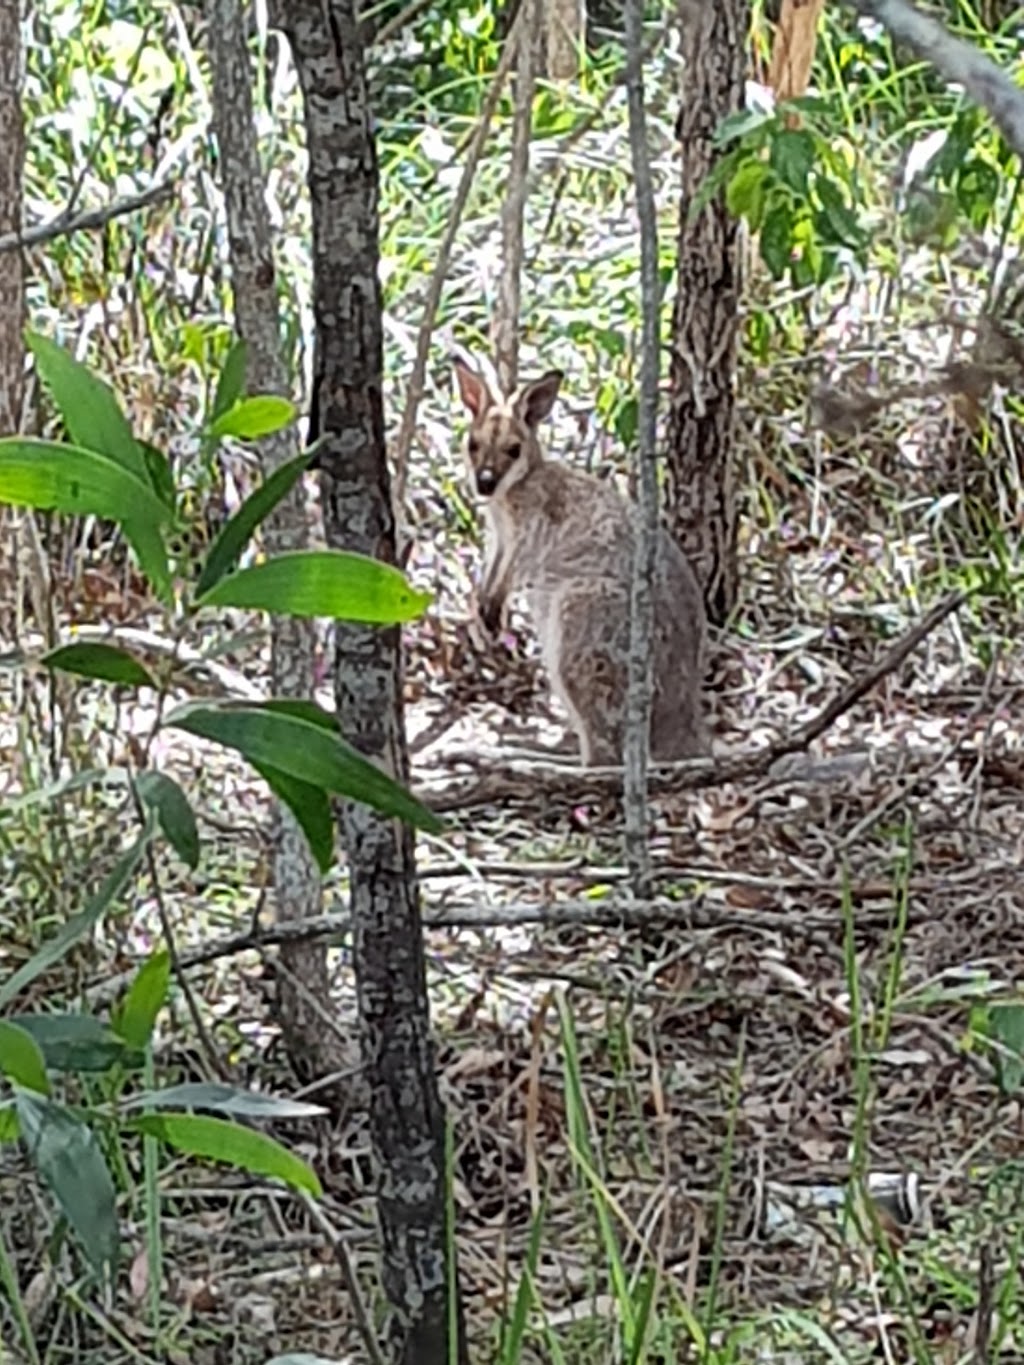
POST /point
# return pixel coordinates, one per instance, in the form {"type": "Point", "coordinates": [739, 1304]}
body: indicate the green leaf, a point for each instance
{"type": "Point", "coordinates": [792, 158]}
{"type": "Point", "coordinates": [136, 1016]}
{"type": "Point", "coordinates": [745, 192]}
{"type": "Point", "coordinates": [337, 583]}
{"type": "Point", "coordinates": [109, 663]}
{"type": "Point", "coordinates": [174, 813]}
{"type": "Point", "coordinates": [311, 808]}
{"type": "Point", "coordinates": [250, 418]}
{"type": "Point", "coordinates": [54, 948]}
{"type": "Point", "coordinates": [231, 380]}
{"type": "Point", "coordinates": [304, 745]}
{"type": "Point", "coordinates": [224, 1099]}
{"type": "Point", "coordinates": [160, 475]}
{"type": "Point", "coordinates": [91, 414]}
{"type": "Point", "coordinates": [840, 220]}
{"type": "Point", "coordinates": [235, 534]}
{"type": "Point", "coordinates": [76, 1042]}
{"type": "Point", "coordinates": [10, 1128]}
{"type": "Point", "coordinates": [1006, 1027]}
{"type": "Point", "coordinates": [68, 1158]}
{"type": "Point", "coordinates": [737, 125]}
{"type": "Point", "coordinates": [20, 1058]}
{"type": "Point", "coordinates": [231, 1143]}
{"type": "Point", "coordinates": [53, 476]}
{"type": "Point", "coordinates": [777, 239]}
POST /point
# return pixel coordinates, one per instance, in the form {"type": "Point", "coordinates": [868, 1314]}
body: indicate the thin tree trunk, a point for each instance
{"type": "Point", "coordinates": [407, 1124]}
{"type": "Point", "coordinates": [638, 711]}
{"type": "Point", "coordinates": [700, 467]}
{"type": "Point", "coordinates": [304, 986]}
{"type": "Point", "coordinates": [505, 331]}
{"type": "Point", "coordinates": [12, 291]}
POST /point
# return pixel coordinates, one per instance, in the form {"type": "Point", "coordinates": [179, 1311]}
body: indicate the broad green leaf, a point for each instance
{"type": "Point", "coordinates": [792, 157]}
{"type": "Point", "coordinates": [231, 1143]}
{"type": "Point", "coordinates": [777, 239]}
{"type": "Point", "coordinates": [52, 476]}
{"type": "Point", "coordinates": [174, 813]}
{"type": "Point", "coordinates": [235, 534]}
{"type": "Point", "coordinates": [738, 125]}
{"type": "Point", "coordinates": [109, 663]}
{"type": "Point", "coordinates": [311, 808]}
{"type": "Point", "coordinates": [91, 413]}
{"type": "Point", "coordinates": [231, 380]}
{"type": "Point", "coordinates": [68, 1158]}
{"type": "Point", "coordinates": [1006, 1026]}
{"type": "Point", "coordinates": [150, 551]}
{"type": "Point", "coordinates": [842, 222]}
{"type": "Point", "coordinates": [300, 747]}
{"type": "Point", "coordinates": [135, 1017]}
{"type": "Point", "coordinates": [10, 1128]}
{"type": "Point", "coordinates": [54, 948]}
{"type": "Point", "coordinates": [20, 1058]}
{"type": "Point", "coordinates": [224, 1099]}
{"type": "Point", "coordinates": [745, 192]}
{"type": "Point", "coordinates": [250, 418]}
{"type": "Point", "coordinates": [350, 587]}
{"type": "Point", "coordinates": [160, 475]}
{"type": "Point", "coordinates": [76, 1042]}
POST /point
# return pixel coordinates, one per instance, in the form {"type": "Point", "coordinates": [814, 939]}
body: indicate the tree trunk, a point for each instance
{"type": "Point", "coordinates": [304, 987]}
{"type": "Point", "coordinates": [12, 291]}
{"type": "Point", "coordinates": [407, 1123]}
{"type": "Point", "coordinates": [700, 461]}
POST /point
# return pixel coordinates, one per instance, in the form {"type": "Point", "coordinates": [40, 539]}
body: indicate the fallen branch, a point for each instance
{"type": "Point", "coordinates": [89, 219]}
{"type": "Point", "coordinates": [613, 912]}
{"type": "Point", "coordinates": [578, 784]}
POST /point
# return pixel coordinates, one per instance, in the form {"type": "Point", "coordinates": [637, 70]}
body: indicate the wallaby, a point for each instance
{"type": "Point", "coordinates": [566, 539]}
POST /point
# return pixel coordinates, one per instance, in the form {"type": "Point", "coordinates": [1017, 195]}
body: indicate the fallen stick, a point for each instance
{"type": "Point", "coordinates": [576, 784]}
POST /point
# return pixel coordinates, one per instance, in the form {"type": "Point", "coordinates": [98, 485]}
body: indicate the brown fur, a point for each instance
{"type": "Point", "coordinates": [566, 539]}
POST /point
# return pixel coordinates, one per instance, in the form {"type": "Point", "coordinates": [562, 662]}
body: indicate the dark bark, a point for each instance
{"type": "Point", "coordinates": [12, 292]}
{"type": "Point", "coordinates": [406, 1117]}
{"type": "Point", "coordinates": [304, 986]}
{"type": "Point", "coordinates": [700, 465]}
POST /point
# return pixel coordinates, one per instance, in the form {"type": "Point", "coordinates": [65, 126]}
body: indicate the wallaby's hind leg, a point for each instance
{"type": "Point", "coordinates": [589, 672]}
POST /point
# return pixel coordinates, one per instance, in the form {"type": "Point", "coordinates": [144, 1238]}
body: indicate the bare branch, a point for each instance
{"type": "Point", "coordinates": [90, 219]}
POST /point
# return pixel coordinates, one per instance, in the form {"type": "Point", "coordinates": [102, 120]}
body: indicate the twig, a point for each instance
{"type": "Point", "coordinates": [398, 21]}
{"type": "Point", "coordinates": [344, 1259]}
{"type": "Point", "coordinates": [414, 392]}
{"type": "Point", "coordinates": [641, 616]}
{"type": "Point", "coordinates": [65, 223]}
{"type": "Point", "coordinates": [611, 912]}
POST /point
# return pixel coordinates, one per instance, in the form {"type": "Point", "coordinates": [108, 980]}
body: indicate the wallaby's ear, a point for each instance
{"type": "Point", "coordinates": [536, 400]}
{"type": "Point", "coordinates": [473, 390]}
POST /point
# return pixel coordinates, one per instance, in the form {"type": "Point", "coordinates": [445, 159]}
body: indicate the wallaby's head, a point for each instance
{"type": "Point", "coordinates": [503, 446]}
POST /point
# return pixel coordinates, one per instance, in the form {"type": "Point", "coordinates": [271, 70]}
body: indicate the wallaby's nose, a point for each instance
{"type": "Point", "coordinates": [486, 482]}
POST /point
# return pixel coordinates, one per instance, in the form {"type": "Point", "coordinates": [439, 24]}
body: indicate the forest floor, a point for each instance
{"type": "Point", "coordinates": [812, 1003]}
{"type": "Point", "coordinates": [808, 1002]}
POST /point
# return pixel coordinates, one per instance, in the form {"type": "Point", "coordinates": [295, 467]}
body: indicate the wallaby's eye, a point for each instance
{"type": "Point", "coordinates": [512, 451]}
{"type": "Point", "coordinates": [473, 445]}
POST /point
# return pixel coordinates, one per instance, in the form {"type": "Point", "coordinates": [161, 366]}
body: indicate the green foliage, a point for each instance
{"type": "Point", "coordinates": [335, 583]}
{"type": "Point", "coordinates": [112, 479]}
{"type": "Point", "coordinates": [103, 662]}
